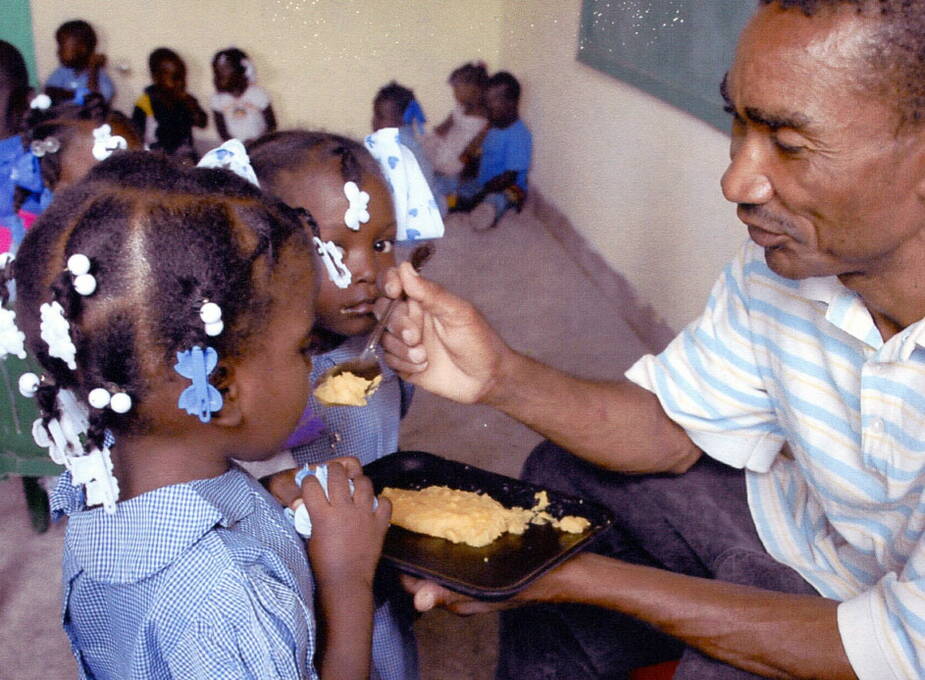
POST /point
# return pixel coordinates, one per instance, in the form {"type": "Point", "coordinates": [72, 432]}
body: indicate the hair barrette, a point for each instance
{"type": "Point", "coordinates": [56, 332]}
{"type": "Point", "coordinates": [104, 142]}
{"type": "Point", "coordinates": [211, 315]}
{"type": "Point", "coordinates": [119, 402]}
{"type": "Point", "coordinates": [40, 147]}
{"type": "Point", "coordinates": [41, 102]}
{"type": "Point", "coordinates": [78, 265]}
{"type": "Point", "coordinates": [332, 258]}
{"type": "Point", "coordinates": [201, 398]}
{"type": "Point", "coordinates": [231, 156]}
{"type": "Point", "coordinates": [357, 211]}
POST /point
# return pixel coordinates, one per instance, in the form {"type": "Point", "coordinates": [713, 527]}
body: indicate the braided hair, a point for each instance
{"type": "Point", "coordinates": [161, 239]}
{"type": "Point", "coordinates": [291, 150]}
{"type": "Point", "coordinates": [64, 122]}
{"type": "Point", "coordinates": [473, 73]}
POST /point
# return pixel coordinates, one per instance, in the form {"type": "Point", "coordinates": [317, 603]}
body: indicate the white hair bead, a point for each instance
{"type": "Point", "coordinates": [214, 328]}
{"type": "Point", "coordinates": [121, 402]}
{"type": "Point", "coordinates": [85, 284]}
{"type": "Point", "coordinates": [78, 264]}
{"type": "Point", "coordinates": [99, 397]}
{"type": "Point", "coordinates": [210, 313]}
{"type": "Point", "coordinates": [28, 384]}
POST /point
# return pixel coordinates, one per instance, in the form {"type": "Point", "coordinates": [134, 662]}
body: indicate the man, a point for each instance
{"type": "Point", "coordinates": [806, 370]}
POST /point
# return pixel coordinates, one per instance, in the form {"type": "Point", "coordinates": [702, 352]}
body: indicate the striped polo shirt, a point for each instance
{"type": "Point", "coordinates": [792, 381]}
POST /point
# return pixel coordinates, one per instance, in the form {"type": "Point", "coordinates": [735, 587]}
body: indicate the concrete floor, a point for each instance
{"type": "Point", "coordinates": [548, 296]}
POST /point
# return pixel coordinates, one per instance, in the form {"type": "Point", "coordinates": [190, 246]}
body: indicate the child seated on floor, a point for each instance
{"type": "Point", "coordinates": [347, 203]}
{"type": "Point", "coordinates": [166, 113]}
{"type": "Point", "coordinates": [445, 145]}
{"type": "Point", "coordinates": [82, 69]}
{"type": "Point", "coordinates": [242, 109]}
{"type": "Point", "coordinates": [504, 159]}
{"type": "Point", "coordinates": [171, 310]}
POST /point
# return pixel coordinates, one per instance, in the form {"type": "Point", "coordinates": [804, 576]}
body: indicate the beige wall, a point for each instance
{"type": "Point", "coordinates": [638, 178]}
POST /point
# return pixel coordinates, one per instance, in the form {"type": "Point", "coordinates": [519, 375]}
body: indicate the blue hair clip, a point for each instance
{"type": "Point", "coordinates": [200, 398]}
{"type": "Point", "coordinates": [414, 114]}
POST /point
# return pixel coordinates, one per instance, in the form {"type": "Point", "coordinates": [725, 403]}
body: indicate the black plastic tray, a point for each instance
{"type": "Point", "coordinates": [493, 572]}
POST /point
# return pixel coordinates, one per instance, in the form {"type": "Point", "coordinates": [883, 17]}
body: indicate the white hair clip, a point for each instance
{"type": "Point", "coordinates": [357, 211]}
{"type": "Point", "coordinates": [94, 471]}
{"type": "Point", "coordinates": [119, 402]}
{"type": "Point", "coordinates": [211, 315]}
{"type": "Point", "coordinates": [104, 142]}
{"type": "Point", "coordinates": [56, 332]}
{"type": "Point", "coordinates": [12, 340]}
{"type": "Point", "coordinates": [333, 260]}
{"type": "Point", "coordinates": [231, 156]}
{"type": "Point", "coordinates": [39, 147]}
{"type": "Point", "coordinates": [78, 265]}
{"type": "Point", "coordinates": [62, 435]}
{"type": "Point", "coordinates": [40, 101]}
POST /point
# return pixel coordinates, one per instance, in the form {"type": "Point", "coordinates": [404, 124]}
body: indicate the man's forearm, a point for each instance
{"type": "Point", "coordinates": [778, 635]}
{"type": "Point", "coordinates": [617, 425]}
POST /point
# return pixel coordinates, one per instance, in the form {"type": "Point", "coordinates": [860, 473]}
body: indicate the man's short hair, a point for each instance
{"type": "Point", "coordinates": [896, 56]}
{"type": "Point", "coordinates": [509, 82]}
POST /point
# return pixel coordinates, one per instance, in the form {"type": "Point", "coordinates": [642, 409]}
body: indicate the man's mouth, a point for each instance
{"type": "Point", "coordinates": [765, 238]}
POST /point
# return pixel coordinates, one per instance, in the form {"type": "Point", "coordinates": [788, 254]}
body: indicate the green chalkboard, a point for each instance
{"type": "Point", "coordinates": [677, 50]}
{"type": "Point", "coordinates": [16, 28]}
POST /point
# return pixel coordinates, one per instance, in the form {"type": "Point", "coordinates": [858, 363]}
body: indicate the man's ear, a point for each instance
{"type": "Point", "coordinates": [225, 382]}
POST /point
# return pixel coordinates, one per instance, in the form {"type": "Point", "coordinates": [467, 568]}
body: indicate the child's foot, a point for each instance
{"type": "Point", "coordinates": [483, 217]}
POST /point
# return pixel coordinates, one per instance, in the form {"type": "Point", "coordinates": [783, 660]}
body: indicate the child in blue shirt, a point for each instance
{"type": "Point", "coordinates": [504, 158]}
{"type": "Point", "coordinates": [82, 68]}
{"type": "Point", "coordinates": [171, 310]}
{"type": "Point", "coordinates": [314, 171]}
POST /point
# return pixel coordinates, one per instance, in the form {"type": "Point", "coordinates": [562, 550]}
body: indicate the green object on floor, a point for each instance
{"type": "Point", "coordinates": [19, 454]}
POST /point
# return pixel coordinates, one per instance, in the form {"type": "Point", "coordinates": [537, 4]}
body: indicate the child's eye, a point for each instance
{"type": "Point", "coordinates": [384, 246]}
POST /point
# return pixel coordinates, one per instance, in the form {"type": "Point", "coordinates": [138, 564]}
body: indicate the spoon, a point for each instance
{"type": "Point", "coordinates": [366, 365]}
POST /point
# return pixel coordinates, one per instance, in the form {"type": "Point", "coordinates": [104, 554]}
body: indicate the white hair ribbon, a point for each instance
{"type": "Point", "coordinates": [231, 156]}
{"type": "Point", "coordinates": [333, 260]}
{"type": "Point", "coordinates": [357, 211]}
{"type": "Point", "coordinates": [40, 101]}
{"type": "Point", "coordinates": [12, 340]}
{"type": "Point", "coordinates": [250, 74]}
{"type": "Point", "coordinates": [104, 142]}
{"type": "Point", "coordinates": [416, 211]}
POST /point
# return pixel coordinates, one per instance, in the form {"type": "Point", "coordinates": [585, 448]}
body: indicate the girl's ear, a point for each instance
{"type": "Point", "coordinates": [225, 382]}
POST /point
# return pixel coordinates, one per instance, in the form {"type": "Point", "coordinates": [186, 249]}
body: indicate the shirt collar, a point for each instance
{"type": "Point", "coordinates": [844, 308]}
{"type": "Point", "coordinates": [150, 531]}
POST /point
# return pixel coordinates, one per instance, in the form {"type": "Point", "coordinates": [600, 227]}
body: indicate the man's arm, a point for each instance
{"type": "Point", "coordinates": [778, 635]}
{"type": "Point", "coordinates": [440, 342]}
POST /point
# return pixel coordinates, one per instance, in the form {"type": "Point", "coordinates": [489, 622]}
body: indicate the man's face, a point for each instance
{"type": "Point", "coordinates": [825, 179]}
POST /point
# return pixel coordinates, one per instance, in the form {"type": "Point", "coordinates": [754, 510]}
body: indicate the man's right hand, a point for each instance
{"type": "Point", "coordinates": [440, 342]}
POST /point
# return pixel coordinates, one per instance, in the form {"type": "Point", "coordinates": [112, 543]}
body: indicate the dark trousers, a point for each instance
{"type": "Point", "coordinates": [697, 523]}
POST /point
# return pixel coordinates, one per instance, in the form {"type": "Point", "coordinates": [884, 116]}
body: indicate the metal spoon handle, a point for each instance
{"type": "Point", "coordinates": [419, 256]}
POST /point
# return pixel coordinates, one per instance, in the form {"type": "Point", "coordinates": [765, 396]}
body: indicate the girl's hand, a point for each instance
{"type": "Point", "coordinates": [347, 533]}
{"type": "Point", "coordinates": [441, 342]}
{"type": "Point", "coordinates": [282, 484]}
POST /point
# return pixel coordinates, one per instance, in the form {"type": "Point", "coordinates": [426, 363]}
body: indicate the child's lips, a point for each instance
{"type": "Point", "coordinates": [359, 309]}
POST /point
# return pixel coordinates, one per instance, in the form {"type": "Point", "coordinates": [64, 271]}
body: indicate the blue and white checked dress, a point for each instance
{"type": "Point", "coordinates": [369, 433]}
{"type": "Point", "coordinates": [206, 579]}
{"type": "Point", "coordinates": [773, 361]}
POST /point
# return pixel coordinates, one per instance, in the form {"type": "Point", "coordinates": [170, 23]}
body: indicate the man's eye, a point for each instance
{"type": "Point", "coordinates": [786, 148]}
{"type": "Point", "coordinates": [384, 246]}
